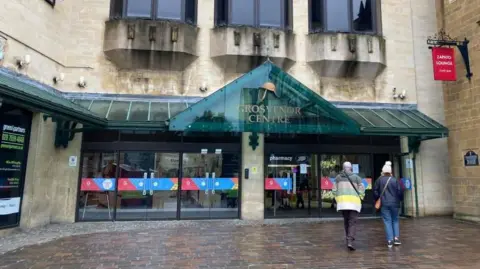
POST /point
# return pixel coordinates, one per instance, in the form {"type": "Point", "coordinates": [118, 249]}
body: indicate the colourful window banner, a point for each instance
{"type": "Point", "coordinates": [97, 184]}
{"type": "Point", "coordinates": [202, 184]}
{"type": "Point", "coordinates": [147, 184]}
{"type": "Point", "coordinates": [367, 183]}
{"type": "Point", "coordinates": [327, 183]}
{"type": "Point", "coordinates": [278, 184]}
{"type": "Point", "coordinates": [407, 183]}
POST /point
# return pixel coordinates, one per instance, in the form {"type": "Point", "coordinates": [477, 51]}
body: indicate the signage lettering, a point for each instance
{"type": "Point", "coordinates": [281, 158]}
{"type": "Point", "coordinates": [269, 114]}
{"type": "Point", "coordinates": [444, 64]}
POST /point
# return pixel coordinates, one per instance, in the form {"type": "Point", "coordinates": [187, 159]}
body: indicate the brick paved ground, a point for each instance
{"type": "Point", "coordinates": [428, 243]}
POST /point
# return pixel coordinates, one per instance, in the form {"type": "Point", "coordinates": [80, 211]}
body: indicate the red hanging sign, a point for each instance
{"type": "Point", "coordinates": [444, 64]}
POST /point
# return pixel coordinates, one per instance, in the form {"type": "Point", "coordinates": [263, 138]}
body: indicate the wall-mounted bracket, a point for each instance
{"type": "Point", "coordinates": [414, 144]}
{"type": "Point", "coordinates": [441, 39]}
{"type": "Point", "coordinates": [253, 141]}
{"type": "Point", "coordinates": [65, 131]}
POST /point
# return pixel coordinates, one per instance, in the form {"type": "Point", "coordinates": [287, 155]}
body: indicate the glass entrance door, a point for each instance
{"type": "Point", "coordinates": [291, 188]}
{"type": "Point", "coordinates": [147, 186]}
{"type": "Point", "coordinates": [209, 186]}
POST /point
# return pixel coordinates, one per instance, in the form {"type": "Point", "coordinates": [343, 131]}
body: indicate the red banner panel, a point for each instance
{"type": "Point", "coordinates": [444, 64]}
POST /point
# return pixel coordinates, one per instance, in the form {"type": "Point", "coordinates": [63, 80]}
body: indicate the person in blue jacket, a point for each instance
{"type": "Point", "coordinates": [390, 191]}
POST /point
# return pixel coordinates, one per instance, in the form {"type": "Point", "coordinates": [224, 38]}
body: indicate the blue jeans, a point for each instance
{"type": "Point", "coordinates": [390, 219]}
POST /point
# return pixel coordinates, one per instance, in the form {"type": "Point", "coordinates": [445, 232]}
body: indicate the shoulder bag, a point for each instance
{"type": "Point", "coordinates": [378, 203]}
{"type": "Point", "coordinates": [355, 188]}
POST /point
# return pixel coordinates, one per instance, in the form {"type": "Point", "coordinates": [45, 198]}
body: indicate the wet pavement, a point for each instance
{"type": "Point", "coordinates": [427, 243]}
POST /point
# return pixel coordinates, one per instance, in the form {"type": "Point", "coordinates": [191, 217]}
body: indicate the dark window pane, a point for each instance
{"type": "Point", "coordinates": [139, 8]}
{"type": "Point", "coordinates": [117, 9]}
{"type": "Point", "coordinates": [337, 15]}
{"type": "Point", "coordinates": [288, 14]}
{"type": "Point", "coordinates": [243, 12]}
{"type": "Point", "coordinates": [271, 13]}
{"type": "Point", "coordinates": [191, 11]}
{"type": "Point", "coordinates": [317, 15]}
{"type": "Point", "coordinates": [221, 12]}
{"type": "Point", "coordinates": [169, 9]}
{"type": "Point", "coordinates": [98, 169]}
{"type": "Point", "coordinates": [362, 15]}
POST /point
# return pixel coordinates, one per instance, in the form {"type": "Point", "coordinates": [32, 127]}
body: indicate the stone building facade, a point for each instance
{"type": "Point", "coordinates": [458, 20]}
{"type": "Point", "coordinates": [77, 41]}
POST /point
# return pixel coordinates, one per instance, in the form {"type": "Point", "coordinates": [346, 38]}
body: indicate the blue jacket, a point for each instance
{"type": "Point", "coordinates": [393, 194]}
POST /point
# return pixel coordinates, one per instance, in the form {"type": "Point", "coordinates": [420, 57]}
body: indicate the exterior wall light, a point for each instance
{"type": "Point", "coordinates": [401, 95]}
{"type": "Point", "coordinates": [204, 87]}
{"type": "Point", "coordinates": [59, 78]}
{"type": "Point", "coordinates": [82, 83]}
{"type": "Point", "coordinates": [22, 62]}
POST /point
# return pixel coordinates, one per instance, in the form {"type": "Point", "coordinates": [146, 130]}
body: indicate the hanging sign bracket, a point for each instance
{"type": "Point", "coordinates": [442, 39]}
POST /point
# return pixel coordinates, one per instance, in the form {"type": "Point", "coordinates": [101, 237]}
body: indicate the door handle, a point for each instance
{"type": "Point", "coordinates": [144, 183]}
{"type": "Point", "coordinates": [207, 175]}
{"type": "Point", "coordinates": [213, 183]}
{"type": "Point", "coordinates": [152, 175]}
{"type": "Point", "coordinates": [288, 177]}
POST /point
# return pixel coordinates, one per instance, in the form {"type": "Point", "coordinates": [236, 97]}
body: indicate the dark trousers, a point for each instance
{"type": "Point", "coordinates": [350, 222]}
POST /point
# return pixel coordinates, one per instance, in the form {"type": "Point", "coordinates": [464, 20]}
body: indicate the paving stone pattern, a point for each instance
{"type": "Point", "coordinates": [428, 243]}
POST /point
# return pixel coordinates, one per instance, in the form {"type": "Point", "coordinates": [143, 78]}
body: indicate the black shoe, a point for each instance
{"type": "Point", "coordinates": [390, 244]}
{"type": "Point", "coordinates": [350, 247]}
{"type": "Point", "coordinates": [397, 242]}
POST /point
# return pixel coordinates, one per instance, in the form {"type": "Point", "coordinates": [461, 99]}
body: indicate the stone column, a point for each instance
{"type": "Point", "coordinates": [253, 188]}
{"type": "Point", "coordinates": [50, 190]}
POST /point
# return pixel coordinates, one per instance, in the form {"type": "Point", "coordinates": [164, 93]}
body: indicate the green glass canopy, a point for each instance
{"type": "Point", "coordinates": [265, 100]}
{"type": "Point", "coordinates": [28, 94]}
{"type": "Point", "coordinates": [398, 122]}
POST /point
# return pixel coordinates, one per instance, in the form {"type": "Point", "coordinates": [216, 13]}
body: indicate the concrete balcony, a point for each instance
{"type": "Point", "coordinates": [346, 55]}
{"type": "Point", "coordinates": [146, 44]}
{"type": "Point", "coordinates": [241, 49]}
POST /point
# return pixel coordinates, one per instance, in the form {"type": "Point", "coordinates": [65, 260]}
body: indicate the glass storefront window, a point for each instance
{"type": "Point", "coordinates": [291, 185]}
{"type": "Point", "coordinates": [147, 186]}
{"type": "Point", "coordinates": [97, 186]}
{"type": "Point", "coordinates": [210, 186]}
{"type": "Point", "coordinates": [331, 165]}
{"type": "Point", "coordinates": [14, 130]}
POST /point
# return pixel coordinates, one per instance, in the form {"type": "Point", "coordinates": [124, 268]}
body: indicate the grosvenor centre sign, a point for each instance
{"type": "Point", "coordinates": [444, 64]}
{"type": "Point", "coordinates": [269, 114]}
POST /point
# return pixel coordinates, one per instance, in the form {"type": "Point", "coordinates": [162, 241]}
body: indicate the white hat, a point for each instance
{"type": "Point", "coordinates": [387, 168]}
{"type": "Point", "coordinates": [347, 166]}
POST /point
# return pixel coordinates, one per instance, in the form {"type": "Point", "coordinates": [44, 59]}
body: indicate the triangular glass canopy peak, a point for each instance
{"type": "Point", "coordinates": [265, 100]}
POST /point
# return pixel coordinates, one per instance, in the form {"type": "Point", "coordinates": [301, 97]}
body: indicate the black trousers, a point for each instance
{"type": "Point", "coordinates": [350, 218]}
